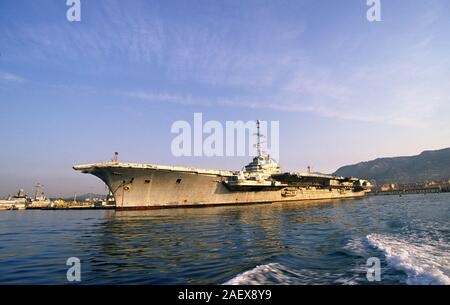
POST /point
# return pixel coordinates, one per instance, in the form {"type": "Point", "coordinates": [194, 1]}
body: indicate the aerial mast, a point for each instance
{"type": "Point", "coordinates": [39, 193]}
{"type": "Point", "coordinates": [115, 159]}
{"type": "Point", "coordinates": [259, 136]}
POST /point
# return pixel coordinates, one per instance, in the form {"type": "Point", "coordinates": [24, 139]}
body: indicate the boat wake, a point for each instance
{"type": "Point", "coordinates": [424, 264]}
{"type": "Point", "coordinates": [273, 273]}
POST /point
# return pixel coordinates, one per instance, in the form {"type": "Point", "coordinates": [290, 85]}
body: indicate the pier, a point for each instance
{"type": "Point", "coordinates": [424, 190]}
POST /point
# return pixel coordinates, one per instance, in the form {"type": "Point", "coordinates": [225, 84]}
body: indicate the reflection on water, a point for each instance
{"type": "Point", "coordinates": [308, 242]}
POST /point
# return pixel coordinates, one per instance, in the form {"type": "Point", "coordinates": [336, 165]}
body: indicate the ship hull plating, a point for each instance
{"type": "Point", "coordinates": [153, 187]}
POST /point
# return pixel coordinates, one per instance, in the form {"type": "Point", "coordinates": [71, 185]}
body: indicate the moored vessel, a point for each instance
{"type": "Point", "coordinates": [147, 186]}
{"type": "Point", "coordinates": [16, 202]}
{"type": "Point", "coordinates": [39, 201]}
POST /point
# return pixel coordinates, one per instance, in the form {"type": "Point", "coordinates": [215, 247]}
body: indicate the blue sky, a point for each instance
{"type": "Point", "coordinates": [344, 89]}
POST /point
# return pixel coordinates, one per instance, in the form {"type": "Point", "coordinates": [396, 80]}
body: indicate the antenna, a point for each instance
{"type": "Point", "coordinates": [259, 136]}
{"type": "Point", "coordinates": [39, 191]}
{"type": "Point", "coordinates": [116, 157]}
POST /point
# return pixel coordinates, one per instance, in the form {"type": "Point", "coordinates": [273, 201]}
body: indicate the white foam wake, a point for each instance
{"type": "Point", "coordinates": [424, 264]}
{"type": "Point", "coordinates": [272, 273]}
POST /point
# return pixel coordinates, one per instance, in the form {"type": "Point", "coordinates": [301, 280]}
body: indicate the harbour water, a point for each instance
{"type": "Point", "coordinates": [305, 243]}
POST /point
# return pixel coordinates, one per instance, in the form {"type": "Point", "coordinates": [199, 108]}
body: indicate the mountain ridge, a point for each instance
{"type": "Point", "coordinates": [428, 165]}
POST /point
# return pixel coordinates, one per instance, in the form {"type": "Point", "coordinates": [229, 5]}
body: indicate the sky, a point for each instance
{"type": "Point", "coordinates": [343, 89]}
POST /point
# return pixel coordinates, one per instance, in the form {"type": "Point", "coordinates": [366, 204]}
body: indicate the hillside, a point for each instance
{"type": "Point", "coordinates": [429, 165]}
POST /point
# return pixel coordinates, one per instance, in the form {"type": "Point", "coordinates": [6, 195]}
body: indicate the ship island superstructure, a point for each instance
{"type": "Point", "coordinates": [147, 186]}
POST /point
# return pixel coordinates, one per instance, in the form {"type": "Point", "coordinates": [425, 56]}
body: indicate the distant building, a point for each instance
{"type": "Point", "coordinates": [388, 187]}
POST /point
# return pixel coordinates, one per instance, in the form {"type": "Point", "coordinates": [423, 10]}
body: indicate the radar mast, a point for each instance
{"type": "Point", "coordinates": [259, 142]}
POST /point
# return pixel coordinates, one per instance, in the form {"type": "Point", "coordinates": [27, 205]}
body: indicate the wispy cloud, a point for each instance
{"type": "Point", "coordinates": [405, 118]}
{"type": "Point", "coordinates": [108, 30]}
{"type": "Point", "coordinates": [256, 59]}
{"type": "Point", "coordinates": [393, 92]}
{"type": "Point", "coordinates": [163, 98]}
{"type": "Point", "coordinates": [10, 77]}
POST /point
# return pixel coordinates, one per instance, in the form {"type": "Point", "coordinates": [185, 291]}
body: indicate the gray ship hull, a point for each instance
{"type": "Point", "coordinates": [145, 186]}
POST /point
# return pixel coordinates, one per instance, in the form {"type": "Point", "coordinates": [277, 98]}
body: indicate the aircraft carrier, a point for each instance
{"type": "Point", "coordinates": [150, 186]}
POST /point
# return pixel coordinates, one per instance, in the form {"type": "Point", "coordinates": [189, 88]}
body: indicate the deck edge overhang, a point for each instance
{"type": "Point", "coordinates": [87, 168]}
